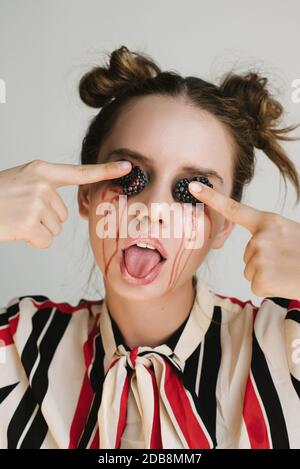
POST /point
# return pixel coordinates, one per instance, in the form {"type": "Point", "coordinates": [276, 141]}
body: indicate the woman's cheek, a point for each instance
{"type": "Point", "coordinates": [213, 223]}
{"type": "Point", "coordinates": [208, 223]}
{"type": "Point", "coordinates": [98, 223]}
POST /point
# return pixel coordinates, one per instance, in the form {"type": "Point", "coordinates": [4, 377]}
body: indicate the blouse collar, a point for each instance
{"type": "Point", "coordinates": [182, 342]}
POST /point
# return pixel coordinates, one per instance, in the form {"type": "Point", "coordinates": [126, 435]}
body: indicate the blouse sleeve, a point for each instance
{"type": "Point", "coordinates": [292, 334]}
{"type": "Point", "coordinates": [9, 369]}
{"type": "Point", "coordinates": [15, 324]}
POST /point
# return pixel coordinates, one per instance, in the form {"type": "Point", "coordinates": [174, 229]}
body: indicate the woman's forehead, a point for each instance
{"type": "Point", "coordinates": [171, 134]}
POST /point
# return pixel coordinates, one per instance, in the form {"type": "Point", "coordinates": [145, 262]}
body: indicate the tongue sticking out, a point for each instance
{"type": "Point", "coordinates": [139, 261]}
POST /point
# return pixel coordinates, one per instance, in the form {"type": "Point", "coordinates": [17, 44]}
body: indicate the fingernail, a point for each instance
{"type": "Point", "coordinates": [124, 164]}
{"type": "Point", "coordinates": [195, 186]}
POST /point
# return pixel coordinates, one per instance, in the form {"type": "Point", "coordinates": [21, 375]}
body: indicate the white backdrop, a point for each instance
{"type": "Point", "coordinates": [45, 47]}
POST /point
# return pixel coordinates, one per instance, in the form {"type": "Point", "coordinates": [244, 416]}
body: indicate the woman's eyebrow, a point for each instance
{"type": "Point", "coordinates": [124, 152]}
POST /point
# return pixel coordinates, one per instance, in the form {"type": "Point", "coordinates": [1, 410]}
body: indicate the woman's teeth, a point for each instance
{"type": "Point", "coordinates": [145, 245]}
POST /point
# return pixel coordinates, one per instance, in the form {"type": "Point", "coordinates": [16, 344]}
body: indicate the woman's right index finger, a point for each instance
{"type": "Point", "coordinates": [61, 174]}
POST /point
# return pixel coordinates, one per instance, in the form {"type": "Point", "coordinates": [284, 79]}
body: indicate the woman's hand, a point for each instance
{"type": "Point", "coordinates": [30, 207]}
{"type": "Point", "coordinates": [272, 256]}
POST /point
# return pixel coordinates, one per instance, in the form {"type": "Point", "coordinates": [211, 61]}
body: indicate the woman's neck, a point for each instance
{"type": "Point", "coordinates": [150, 323]}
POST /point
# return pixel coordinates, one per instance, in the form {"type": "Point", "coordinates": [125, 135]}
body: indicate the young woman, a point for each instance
{"type": "Point", "coordinates": [161, 361]}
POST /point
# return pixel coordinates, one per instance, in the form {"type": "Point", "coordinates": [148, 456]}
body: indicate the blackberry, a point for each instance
{"type": "Point", "coordinates": [134, 182]}
{"type": "Point", "coordinates": [181, 191]}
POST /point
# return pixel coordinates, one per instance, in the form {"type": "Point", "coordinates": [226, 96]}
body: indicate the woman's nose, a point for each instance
{"type": "Point", "coordinates": [157, 200]}
{"type": "Point", "coordinates": [157, 192]}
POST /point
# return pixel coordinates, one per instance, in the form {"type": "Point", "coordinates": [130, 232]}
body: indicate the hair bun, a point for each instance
{"type": "Point", "coordinates": [101, 84]}
{"type": "Point", "coordinates": [256, 103]}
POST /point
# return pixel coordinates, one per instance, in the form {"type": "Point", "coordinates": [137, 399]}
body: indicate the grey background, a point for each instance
{"type": "Point", "coordinates": [45, 47]}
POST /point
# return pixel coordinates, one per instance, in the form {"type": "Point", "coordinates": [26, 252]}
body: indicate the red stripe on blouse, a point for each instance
{"type": "Point", "coordinates": [62, 307]}
{"type": "Point", "coordinates": [95, 442]}
{"type": "Point", "coordinates": [123, 412]}
{"type": "Point", "coordinates": [183, 412]}
{"type": "Point", "coordinates": [86, 393]}
{"type": "Point", "coordinates": [254, 419]}
{"type": "Point", "coordinates": [155, 440]}
{"type": "Point", "coordinates": [7, 332]}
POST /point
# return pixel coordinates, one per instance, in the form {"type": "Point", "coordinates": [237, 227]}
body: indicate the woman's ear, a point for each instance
{"type": "Point", "coordinates": [83, 198]}
{"type": "Point", "coordinates": [223, 234]}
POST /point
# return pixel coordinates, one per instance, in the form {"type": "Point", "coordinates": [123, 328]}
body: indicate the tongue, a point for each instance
{"type": "Point", "coordinates": [139, 261]}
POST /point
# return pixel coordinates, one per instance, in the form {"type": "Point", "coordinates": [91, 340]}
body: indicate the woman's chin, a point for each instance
{"type": "Point", "coordinates": [133, 291]}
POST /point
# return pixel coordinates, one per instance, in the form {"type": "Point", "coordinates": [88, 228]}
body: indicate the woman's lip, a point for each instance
{"type": "Point", "coordinates": [150, 277]}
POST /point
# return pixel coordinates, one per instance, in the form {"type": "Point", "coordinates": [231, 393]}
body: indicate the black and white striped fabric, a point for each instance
{"type": "Point", "coordinates": [229, 376]}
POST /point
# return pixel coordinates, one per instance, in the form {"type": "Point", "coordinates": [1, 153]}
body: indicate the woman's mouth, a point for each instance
{"type": "Point", "coordinates": [140, 265]}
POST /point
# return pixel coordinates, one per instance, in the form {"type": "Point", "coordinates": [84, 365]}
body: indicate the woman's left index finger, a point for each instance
{"type": "Point", "coordinates": [242, 214]}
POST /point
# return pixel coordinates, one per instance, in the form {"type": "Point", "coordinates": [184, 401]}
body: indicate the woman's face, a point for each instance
{"type": "Point", "coordinates": [172, 134]}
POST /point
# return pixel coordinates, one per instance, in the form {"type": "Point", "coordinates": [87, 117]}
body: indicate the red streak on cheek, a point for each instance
{"type": "Point", "coordinates": [174, 277]}
{"type": "Point", "coordinates": [116, 246]}
{"type": "Point", "coordinates": [176, 263]}
{"type": "Point", "coordinates": [207, 213]}
{"type": "Point", "coordinates": [105, 197]}
{"type": "Point", "coordinates": [111, 199]}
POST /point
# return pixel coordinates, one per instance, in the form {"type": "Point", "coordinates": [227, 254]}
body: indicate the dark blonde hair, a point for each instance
{"type": "Point", "coordinates": [242, 102]}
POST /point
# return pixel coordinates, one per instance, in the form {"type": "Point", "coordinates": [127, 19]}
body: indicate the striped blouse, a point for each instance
{"type": "Point", "coordinates": [228, 377]}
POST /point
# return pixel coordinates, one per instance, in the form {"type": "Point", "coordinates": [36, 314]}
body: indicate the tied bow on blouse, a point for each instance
{"type": "Point", "coordinates": [168, 415]}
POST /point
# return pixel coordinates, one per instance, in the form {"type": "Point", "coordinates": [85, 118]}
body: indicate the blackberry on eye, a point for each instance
{"type": "Point", "coordinates": [134, 182]}
{"type": "Point", "coordinates": [181, 191]}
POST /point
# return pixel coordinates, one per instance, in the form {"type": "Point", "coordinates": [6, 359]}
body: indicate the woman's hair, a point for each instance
{"type": "Point", "coordinates": [241, 102]}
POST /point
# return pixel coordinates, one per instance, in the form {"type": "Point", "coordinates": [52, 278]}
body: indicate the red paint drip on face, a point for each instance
{"type": "Point", "coordinates": [105, 198]}
{"type": "Point", "coordinates": [207, 212]}
{"type": "Point", "coordinates": [194, 223]}
{"type": "Point", "coordinates": [174, 270]}
{"type": "Point", "coordinates": [175, 267]}
{"type": "Point", "coordinates": [116, 247]}
{"type": "Point", "coordinates": [176, 262]}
